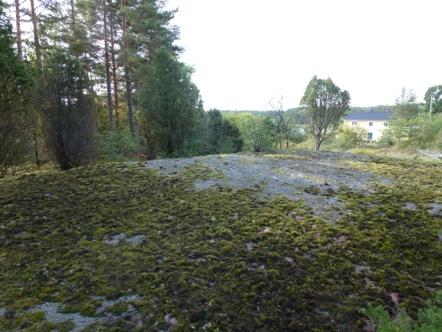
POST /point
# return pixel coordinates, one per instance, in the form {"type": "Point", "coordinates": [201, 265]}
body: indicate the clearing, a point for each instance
{"type": "Point", "coordinates": [240, 242]}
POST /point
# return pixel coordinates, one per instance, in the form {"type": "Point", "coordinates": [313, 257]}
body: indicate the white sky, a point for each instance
{"type": "Point", "coordinates": [246, 52]}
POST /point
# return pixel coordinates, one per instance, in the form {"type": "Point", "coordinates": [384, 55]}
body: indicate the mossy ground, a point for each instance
{"type": "Point", "coordinates": [217, 259]}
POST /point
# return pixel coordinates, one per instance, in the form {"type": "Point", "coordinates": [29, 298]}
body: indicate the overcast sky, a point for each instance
{"type": "Point", "coordinates": [246, 52]}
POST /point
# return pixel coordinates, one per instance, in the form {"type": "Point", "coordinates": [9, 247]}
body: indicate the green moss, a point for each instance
{"type": "Point", "coordinates": [118, 308]}
{"type": "Point", "coordinates": [195, 256]}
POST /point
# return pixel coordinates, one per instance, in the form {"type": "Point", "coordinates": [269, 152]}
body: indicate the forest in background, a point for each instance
{"type": "Point", "coordinates": [87, 80]}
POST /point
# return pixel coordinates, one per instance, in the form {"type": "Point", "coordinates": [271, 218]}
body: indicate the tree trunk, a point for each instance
{"type": "Point", "coordinates": [107, 66]}
{"type": "Point", "coordinates": [36, 37]}
{"type": "Point", "coordinates": [18, 28]}
{"type": "Point", "coordinates": [317, 143]}
{"type": "Point", "coordinates": [39, 67]}
{"type": "Point", "coordinates": [74, 25]}
{"type": "Point", "coordinates": [127, 76]}
{"type": "Point", "coordinates": [114, 69]}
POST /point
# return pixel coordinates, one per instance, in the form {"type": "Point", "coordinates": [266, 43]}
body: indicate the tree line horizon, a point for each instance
{"type": "Point", "coordinates": [103, 80]}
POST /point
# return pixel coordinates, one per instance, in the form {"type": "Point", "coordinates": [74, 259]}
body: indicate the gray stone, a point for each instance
{"type": "Point", "coordinates": [410, 206]}
{"type": "Point", "coordinates": [266, 230]}
{"type": "Point", "coordinates": [288, 260]}
{"type": "Point", "coordinates": [289, 175]}
{"type": "Point", "coordinates": [121, 238]}
{"type": "Point", "coordinates": [51, 314]}
{"type": "Point", "coordinates": [435, 209]}
{"type": "Point", "coordinates": [169, 319]}
{"type": "Point", "coordinates": [250, 246]}
{"type": "Point", "coordinates": [105, 304]}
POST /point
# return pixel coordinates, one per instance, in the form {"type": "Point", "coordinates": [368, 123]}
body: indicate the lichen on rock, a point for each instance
{"type": "Point", "coordinates": [220, 258]}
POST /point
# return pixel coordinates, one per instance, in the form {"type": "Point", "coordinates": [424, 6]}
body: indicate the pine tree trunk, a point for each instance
{"type": "Point", "coordinates": [127, 77]}
{"type": "Point", "coordinates": [39, 67]}
{"type": "Point", "coordinates": [107, 66]}
{"type": "Point", "coordinates": [18, 28]}
{"type": "Point", "coordinates": [36, 37]}
{"type": "Point", "coordinates": [74, 26]}
{"type": "Point", "coordinates": [114, 70]}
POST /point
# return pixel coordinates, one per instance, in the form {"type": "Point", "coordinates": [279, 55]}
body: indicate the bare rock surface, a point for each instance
{"type": "Point", "coordinates": [312, 177]}
{"type": "Point", "coordinates": [52, 312]}
{"type": "Point", "coordinates": [435, 209]}
{"type": "Point", "coordinates": [123, 238]}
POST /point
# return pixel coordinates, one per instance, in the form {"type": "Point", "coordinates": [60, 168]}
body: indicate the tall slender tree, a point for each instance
{"type": "Point", "coordinates": [107, 65]}
{"type": "Point", "coordinates": [113, 31]}
{"type": "Point", "coordinates": [18, 30]}
{"type": "Point", "coordinates": [127, 76]}
{"type": "Point", "coordinates": [37, 47]}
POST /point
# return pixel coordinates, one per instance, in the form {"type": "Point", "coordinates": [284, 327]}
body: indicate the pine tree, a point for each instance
{"type": "Point", "coordinates": [15, 83]}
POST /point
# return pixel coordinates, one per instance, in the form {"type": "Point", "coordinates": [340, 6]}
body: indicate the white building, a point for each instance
{"type": "Point", "coordinates": [374, 123]}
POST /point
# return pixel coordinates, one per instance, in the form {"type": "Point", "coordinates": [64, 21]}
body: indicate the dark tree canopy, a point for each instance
{"type": "Point", "coordinates": [15, 82]}
{"type": "Point", "coordinates": [326, 104]}
{"type": "Point", "coordinates": [223, 135]}
{"type": "Point", "coordinates": [70, 111]}
{"type": "Point", "coordinates": [169, 102]}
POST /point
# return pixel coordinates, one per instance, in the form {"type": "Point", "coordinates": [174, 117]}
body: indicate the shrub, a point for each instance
{"type": "Point", "coordinates": [349, 138]}
{"type": "Point", "coordinates": [429, 318]}
{"type": "Point", "coordinates": [70, 112]}
{"type": "Point", "coordinates": [117, 145]}
{"type": "Point", "coordinates": [420, 131]}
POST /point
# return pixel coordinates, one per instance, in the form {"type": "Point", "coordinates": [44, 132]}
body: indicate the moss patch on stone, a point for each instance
{"type": "Point", "coordinates": [214, 259]}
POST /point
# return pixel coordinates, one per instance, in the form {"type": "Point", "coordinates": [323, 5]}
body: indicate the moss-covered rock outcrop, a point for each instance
{"type": "Point", "coordinates": [215, 259]}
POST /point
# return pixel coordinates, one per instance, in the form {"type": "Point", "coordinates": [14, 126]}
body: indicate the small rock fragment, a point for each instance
{"type": "Point", "coordinates": [169, 319]}
{"type": "Point", "coordinates": [250, 246]}
{"type": "Point", "coordinates": [288, 260]}
{"type": "Point", "coordinates": [410, 206]}
{"type": "Point", "coordinates": [435, 209]}
{"type": "Point", "coordinates": [266, 229]}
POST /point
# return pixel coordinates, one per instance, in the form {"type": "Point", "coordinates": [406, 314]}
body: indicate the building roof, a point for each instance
{"type": "Point", "coordinates": [367, 116]}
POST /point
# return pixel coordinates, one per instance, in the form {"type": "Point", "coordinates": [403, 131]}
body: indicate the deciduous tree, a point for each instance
{"type": "Point", "coordinates": [326, 104]}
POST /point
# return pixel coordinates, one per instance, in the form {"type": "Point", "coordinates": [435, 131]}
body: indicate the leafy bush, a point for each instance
{"type": "Point", "coordinates": [420, 131]}
{"type": "Point", "coordinates": [116, 145]}
{"type": "Point", "coordinates": [349, 138]}
{"type": "Point", "coordinates": [429, 319]}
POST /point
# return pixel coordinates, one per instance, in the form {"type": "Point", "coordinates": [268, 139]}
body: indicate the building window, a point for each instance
{"type": "Point", "coordinates": [370, 124]}
{"type": "Point", "coordinates": [385, 124]}
{"type": "Point", "coordinates": [370, 136]}
{"type": "Point", "coordinates": [354, 123]}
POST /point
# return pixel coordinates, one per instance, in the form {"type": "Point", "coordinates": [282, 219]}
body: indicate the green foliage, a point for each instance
{"type": "Point", "coordinates": [406, 106]}
{"type": "Point", "coordinates": [169, 104]}
{"type": "Point", "coordinates": [348, 138]}
{"type": "Point", "coordinates": [15, 85]}
{"type": "Point", "coordinates": [417, 131]}
{"type": "Point", "coordinates": [70, 111]}
{"type": "Point", "coordinates": [116, 145]}
{"type": "Point", "coordinates": [213, 134]}
{"type": "Point", "coordinates": [326, 104]}
{"type": "Point", "coordinates": [429, 318]}
{"type": "Point", "coordinates": [223, 135]}
{"type": "Point", "coordinates": [258, 131]}
{"type": "Point", "coordinates": [435, 93]}
{"type": "Point", "coordinates": [299, 115]}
